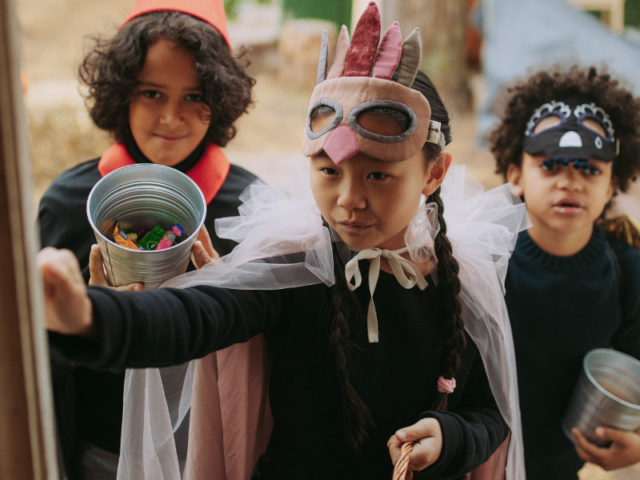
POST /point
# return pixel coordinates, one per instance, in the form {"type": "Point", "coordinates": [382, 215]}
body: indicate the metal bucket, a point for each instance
{"type": "Point", "coordinates": [607, 394]}
{"type": "Point", "coordinates": [145, 195]}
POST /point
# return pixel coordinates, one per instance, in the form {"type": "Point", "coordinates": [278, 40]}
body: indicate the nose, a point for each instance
{"type": "Point", "coordinates": [171, 114]}
{"type": "Point", "coordinates": [569, 179]}
{"type": "Point", "coordinates": [351, 195]}
{"type": "Point", "coordinates": [342, 144]}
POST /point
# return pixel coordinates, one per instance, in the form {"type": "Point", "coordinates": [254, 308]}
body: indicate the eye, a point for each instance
{"type": "Point", "coordinates": [593, 171]}
{"type": "Point", "coordinates": [549, 165]}
{"type": "Point", "coordinates": [153, 94]}
{"type": "Point", "coordinates": [377, 176]}
{"type": "Point", "coordinates": [194, 97]}
{"type": "Point", "coordinates": [329, 171]}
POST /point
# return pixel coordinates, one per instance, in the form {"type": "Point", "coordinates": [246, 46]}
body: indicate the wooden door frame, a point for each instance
{"type": "Point", "coordinates": [27, 439]}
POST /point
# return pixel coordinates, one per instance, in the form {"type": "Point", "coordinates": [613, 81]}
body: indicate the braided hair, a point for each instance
{"type": "Point", "coordinates": [346, 314]}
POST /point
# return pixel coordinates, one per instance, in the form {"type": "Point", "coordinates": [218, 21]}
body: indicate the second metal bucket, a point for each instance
{"type": "Point", "coordinates": [607, 394]}
{"type": "Point", "coordinates": [145, 195]}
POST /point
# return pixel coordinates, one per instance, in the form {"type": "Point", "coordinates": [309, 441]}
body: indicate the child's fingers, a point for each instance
{"type": "Point", "coordinates": [584, 456]}
{"type": "Point", "coordinates": [96, 270]}
{"type": "Point", "coordinates": [203, 236]}
{"type": "Point", "coordinates": [58, 265]}
{"type": "Point", "coordinates": [67, 305]}
{"type": "Point", "coordinates": [614, 435]}
{"type": "Point", "coordinates": [587, 447]}
{"type": "Point", "coordinates": [425, 452]}
{"type": "Point", "coordinates": [97, 276]}
{"type": "Point", "coordinates": [426, 427]}
{"type": "Point", "coordinates": [427, 436]}
{"type": "Point", "coordinates": [199, 256]}
{"type": "Point", "coordinates": [394, 448]}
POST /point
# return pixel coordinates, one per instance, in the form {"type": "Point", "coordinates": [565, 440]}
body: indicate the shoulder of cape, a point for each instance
{"type": "Point", "coordinates": [209, 173]}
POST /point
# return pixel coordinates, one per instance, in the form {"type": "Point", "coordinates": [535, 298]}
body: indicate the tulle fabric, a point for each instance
{"type": "Point", "coordinates": [283, 244]}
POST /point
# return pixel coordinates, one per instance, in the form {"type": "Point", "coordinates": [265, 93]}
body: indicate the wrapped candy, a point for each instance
{"type": "Point", "coordinates": [170, 237]}
{"type": "Point", "coordinates": [123, 239]}
{"type": "Point", "coordinates": [151, 240]}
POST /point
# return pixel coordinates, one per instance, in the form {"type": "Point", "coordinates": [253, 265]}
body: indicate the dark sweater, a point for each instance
{"type": "Point", "coordinates": [396, 378]}
{"type": "Point", "coordinates": [97, 408]}
{"type": "Point", "coordinates": [560, 308]}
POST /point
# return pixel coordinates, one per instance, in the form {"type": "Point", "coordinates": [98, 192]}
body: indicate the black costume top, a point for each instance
{"type": "Point", "coordinates": [396, 378]}
{"type": "Point", "coordinates": [560, 309]}
{"type": "Point", "coordinates": [97, 408]}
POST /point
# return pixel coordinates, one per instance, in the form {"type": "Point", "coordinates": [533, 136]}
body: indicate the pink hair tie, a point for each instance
{"type": "Point", "coordinates": [446, 386]}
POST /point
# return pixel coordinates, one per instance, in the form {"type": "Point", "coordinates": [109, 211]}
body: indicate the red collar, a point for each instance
{"type": "Point", "coordinates": [209, 173]}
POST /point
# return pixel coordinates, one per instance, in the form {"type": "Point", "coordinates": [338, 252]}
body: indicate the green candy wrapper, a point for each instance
{"type": "Point", "coordinates": [151, 240]}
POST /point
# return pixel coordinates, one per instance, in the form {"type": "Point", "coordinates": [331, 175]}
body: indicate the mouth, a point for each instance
{"type": "Point", "coordinates": [354, 227]}
{"type": "Point", "coordinates": [568, 206]}
{"type": "Point", "coordinates": [169, 138]}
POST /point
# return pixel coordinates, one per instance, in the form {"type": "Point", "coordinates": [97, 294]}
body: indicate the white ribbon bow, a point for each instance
{"type": "Point", "coordinates": [406, 272]}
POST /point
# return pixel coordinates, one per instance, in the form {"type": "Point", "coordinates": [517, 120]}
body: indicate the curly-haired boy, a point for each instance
{"type": "Point", "coordinates": [568, 139]}
{"type": "Point", "coordinates": [168, 90]}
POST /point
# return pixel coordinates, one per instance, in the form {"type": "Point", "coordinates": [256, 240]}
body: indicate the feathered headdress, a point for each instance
{"type": "Point", "coordinates": [359, 84]}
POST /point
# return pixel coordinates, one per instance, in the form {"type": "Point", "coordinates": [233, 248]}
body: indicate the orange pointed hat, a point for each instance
{"type": "Point", "coordinates": [210, 11]}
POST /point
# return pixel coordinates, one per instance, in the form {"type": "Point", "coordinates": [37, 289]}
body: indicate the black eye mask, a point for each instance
{"type": "Point", "coordinates": [571, 142]}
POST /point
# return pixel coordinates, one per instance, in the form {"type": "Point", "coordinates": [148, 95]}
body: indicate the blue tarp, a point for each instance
{"type": "Point", "coordinates": [521, 34]}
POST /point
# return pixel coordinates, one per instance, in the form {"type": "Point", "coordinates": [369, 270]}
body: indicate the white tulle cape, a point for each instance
{"type": "Point", "coordinates": [288, 232]}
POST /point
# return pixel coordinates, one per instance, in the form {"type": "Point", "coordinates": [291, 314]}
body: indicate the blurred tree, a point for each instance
{"type": "Point", "coordinates": [336, 11]}
{"type": "Point", "coordinates": [632, 13]}
{"type": "Point", "coordinates": [443, 30]}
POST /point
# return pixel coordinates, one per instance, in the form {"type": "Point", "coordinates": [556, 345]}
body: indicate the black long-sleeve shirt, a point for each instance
{"type": "Point", "coordinates": [396, 378]}
{"type": "Point", "coordinates": [89, 402]}
{"type": "Point", "coordinates": [561, 308]}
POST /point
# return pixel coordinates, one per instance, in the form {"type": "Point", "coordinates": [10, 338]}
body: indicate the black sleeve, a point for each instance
{"type": "Point", "coordinates": [627, 337]}
{"type": "Point", "coordinates": [473, 431]}
{"type": "Point", "coordinates": [167, 326]}
{"type": "Point", "coordinates": [62, 215]}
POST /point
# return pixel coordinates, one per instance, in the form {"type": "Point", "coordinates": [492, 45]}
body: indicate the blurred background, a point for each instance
{"type": "Point", "coordinates": [471, 48]}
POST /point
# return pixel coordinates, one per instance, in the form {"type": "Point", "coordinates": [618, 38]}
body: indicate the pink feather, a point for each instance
{"type": "Point", "coordinates": [389, 53]}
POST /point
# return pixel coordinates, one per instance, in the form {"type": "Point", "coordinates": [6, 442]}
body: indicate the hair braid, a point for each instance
{"type": "Point", "coordinates": [453, 340]}
{"type": "Point", "coordinates": [356, 416]}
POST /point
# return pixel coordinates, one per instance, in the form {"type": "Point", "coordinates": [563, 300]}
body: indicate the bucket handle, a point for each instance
{"type": "Point", "coordinates": [400, 472]}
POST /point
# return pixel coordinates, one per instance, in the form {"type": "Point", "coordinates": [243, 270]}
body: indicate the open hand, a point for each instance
{"type": "Point", "coordinates": [427, 436]}
{"type": "Point", "coordinates": [97, 276]}
{"type": "Point", "coordinates": [623, 452]}
{"type": "Point", "coordinates": [203, 251]}
{"type": "Point", "coordinates": [67, 305]}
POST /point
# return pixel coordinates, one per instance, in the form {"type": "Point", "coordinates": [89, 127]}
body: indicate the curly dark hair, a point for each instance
{"type": "Point", "coordinates": [523, 97]}
{"type": "Point", "coordinates": [111, 70]}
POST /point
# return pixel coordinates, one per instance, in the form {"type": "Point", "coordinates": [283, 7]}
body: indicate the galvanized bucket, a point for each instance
{"type": "Point", "coordinates": [145, 195]}
{"type": "Point", "coordinates": [607, 394]}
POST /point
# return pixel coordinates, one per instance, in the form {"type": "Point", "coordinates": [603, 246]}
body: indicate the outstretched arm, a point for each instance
{"type": "Point", "coordinates": [106, 329]}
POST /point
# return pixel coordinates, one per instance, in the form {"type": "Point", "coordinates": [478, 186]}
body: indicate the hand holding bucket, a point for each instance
{"type": "Point", "coordinates": [145, 195]}
{"type": "Point", "coordinates": [607, 394]}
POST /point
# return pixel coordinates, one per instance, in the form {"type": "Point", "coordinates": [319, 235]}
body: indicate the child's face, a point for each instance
{"type": "Point", "coordinates": [370, 203]}
{"type": "Point", "coordinates": [166, 114]}
{"type": "Point", "coordinates": [562, 200]}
